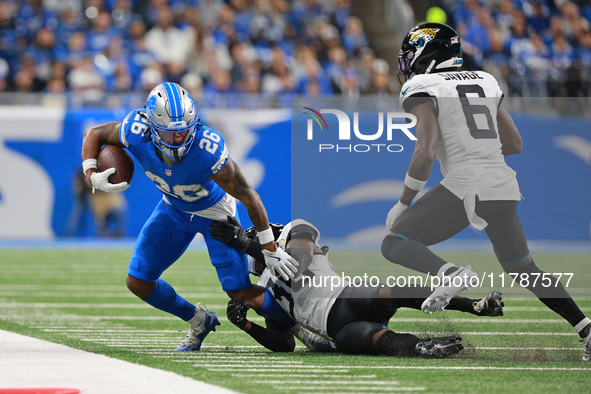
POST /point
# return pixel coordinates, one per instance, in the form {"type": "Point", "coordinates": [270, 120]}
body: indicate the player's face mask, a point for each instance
{"type": "Point", "coordinates": [173, 119]}
{"type": "Point", "coordinates": [404, 72]}
{"type": "Point", "coordinates": [174, 139]}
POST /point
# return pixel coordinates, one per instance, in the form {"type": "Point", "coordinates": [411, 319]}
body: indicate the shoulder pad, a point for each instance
{"type": "Point", "coordinates": [418, 89]}
{"type": "Point", "coordinates": [298, 229]}
{"type": "Point", "coordinates": [213, 148]}
{"type": "Point", "coordinates": [134, 128]}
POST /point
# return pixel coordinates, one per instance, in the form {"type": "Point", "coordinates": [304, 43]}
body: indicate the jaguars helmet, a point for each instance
{"type": "Point", "coordinates": [277, 228]}
{"type": "Point", "coordinates": [429, 47]}
{"type": "Point", "coordinates": [171, 109]}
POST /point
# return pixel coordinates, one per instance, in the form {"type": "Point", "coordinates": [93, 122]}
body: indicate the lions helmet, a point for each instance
{"type": "Point", "coordinates": [429, 47]}
{"type": "Point", "coordinates": [170, 109]}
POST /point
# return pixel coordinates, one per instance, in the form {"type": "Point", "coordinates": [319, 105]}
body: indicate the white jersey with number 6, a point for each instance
{"type": "Point", "coordinates": [469, 148]}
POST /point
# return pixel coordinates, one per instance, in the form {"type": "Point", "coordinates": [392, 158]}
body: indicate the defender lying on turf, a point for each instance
{"type": "Point", "coordinates": [355, 318]}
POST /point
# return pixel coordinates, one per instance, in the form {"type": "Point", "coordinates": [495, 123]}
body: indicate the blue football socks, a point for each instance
{"type": "Point", "coordinates": [272, 309]}
{"type": "Point", "coordinates": [166, 299]}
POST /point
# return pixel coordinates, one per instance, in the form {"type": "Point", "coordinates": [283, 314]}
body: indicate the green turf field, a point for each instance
{"type": "Point", "coordinates": [79, 298]}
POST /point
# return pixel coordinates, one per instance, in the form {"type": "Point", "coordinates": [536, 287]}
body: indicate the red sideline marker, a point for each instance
{"type": "Point", "coordinates": [39, 390]}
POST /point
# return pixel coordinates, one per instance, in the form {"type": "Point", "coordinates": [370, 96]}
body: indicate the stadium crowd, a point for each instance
{"type": "Point", "coordinates": [272, 48]}
{"type": "Point", "coordinates": [539, 47]}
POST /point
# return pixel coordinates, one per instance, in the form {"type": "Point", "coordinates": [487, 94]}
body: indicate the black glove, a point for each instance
{"type": "Point", "coordinates": [236, 313]}
{"type": "Point", "coordinates": [230, 233]}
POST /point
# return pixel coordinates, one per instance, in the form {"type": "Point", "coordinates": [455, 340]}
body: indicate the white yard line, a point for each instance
{"type": "Point", "coordinates": [467, 368]}
{"type": "Point", "coordinates": [347, 368]}
{"type": "Point", "coordinates": [481, 320]}
{"type": "Point", "coordinates": [30, 362]}
{"type": "Point", "coordinates": [291, 375]}
{"type": "Point", "coordinates": [309, 388]}
{"type": "Point", "coordinates": [527, 348]}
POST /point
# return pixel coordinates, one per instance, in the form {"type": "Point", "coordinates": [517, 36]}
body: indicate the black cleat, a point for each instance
{"type": "Point", "coordinates": [439, 347]}
{"type": "Point", "coordinates": [491, 305]}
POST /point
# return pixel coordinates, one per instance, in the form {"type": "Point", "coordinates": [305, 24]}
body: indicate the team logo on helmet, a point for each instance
{"type": "Point", "coordinates": [421, 37]}
{"type": "Point", "coordinates": [428, 33]}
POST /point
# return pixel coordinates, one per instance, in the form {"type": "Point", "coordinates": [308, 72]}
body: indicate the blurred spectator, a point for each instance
{"type": "Point", "coordinates": [75, 51]}
{"type": "Point", "coordinates": [341, 14]}
{"type": "Point", "coordinates": [278, 48]}
{"type": "Point", "coordinates": [109, 213]}
{"type": "Point", "coordinates": [477, 33]}
{"type": "Point", "coordinates": [26, 78]}
{"type": "Point", "coordinates": [498, 55]}
{"type": "Point", "coordinates": [194, 85]}
{"type": "Point", "coordinates": [209, 11]}
{"type": "Point", "coordinates": [380, 79]}
{"type": "Point", "coordinates": [150, 77]}
{"type": "Point", "coordinates": [540, 19]}
{"type": "Point", "coordinates": [242, 19]}
{"type": "Point", "coordinates": [107, 209]}
{"type": "Point", "coordinates": [70, 22]}
{"type": "Point", "coordinates": [364, 64]}
{"type": "Point", "coordinates": [84, 80]}
{"type": "Point", "coordinates": [31, 17]}
{"type": "Point", "coordinates": [122, 13]}
{"type": "Point", "coordinates": [583, 61]}
{"type": "Point", "coordinates": [101, 32]}
{"type": "Point", "coordinates": [308, 71]}
{"type": "Point", "coordinates": [220, 82]}
{"type": "Point", "coordinates": [349, 82]}
{"type": "Point", "coordinates": [534, 57]}
{"type": "Point", "coordinates": [4, 71]}
{"type": "Point", "coordinates": [269, 26]}
{"type": "Point", "coordinates": [561, 59]}
{"type": "Point", "coordinates": [519, 39]}
{"type": "Point", "coordinates": [335, 67]}
{"type": "Point", "coordinates": [224, 32]}
{"type": "Point", "coordinates": [354, 38]}
{"type": "Point", "coordinates": [278, 77]}
{"type": "Point", "coordinates": [304, 14]}
{"type": "Point", "coordinates": [574, 24]}
{"type": "Point", "coordinates": [168, 43]}
{"type": "Point", "coordinates": [76, 225]}
{"type": "Point", "coordinates": [503, 17]}
{"type": "Point", "coordinates": [42, 51]}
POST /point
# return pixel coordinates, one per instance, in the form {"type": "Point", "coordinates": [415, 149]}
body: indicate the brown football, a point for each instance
{"type": "Point", "coordinates": [114, 156]}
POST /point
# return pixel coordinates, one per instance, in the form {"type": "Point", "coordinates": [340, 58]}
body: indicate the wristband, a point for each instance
{"type": "Point", "coordinates": [414, 184]}
{"type": "Point", "coordinates": [88, 164]}
{"type": "Point", "coordinates": [265, 236]}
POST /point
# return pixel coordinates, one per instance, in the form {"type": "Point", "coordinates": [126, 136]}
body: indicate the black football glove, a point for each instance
{"type": "Point", "coordinates": [229, 232]}
{"type": "Point", "coordinates": [236, 313]}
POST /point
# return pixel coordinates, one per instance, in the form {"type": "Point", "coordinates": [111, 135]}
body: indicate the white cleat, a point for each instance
{"type": "Point", "coordinates": [587, 350]}
{"type": "Point", "coordinates": [313, 341]}
{"type": "Point", "coordinates": [450, 288]}
{"type": "Point", "coordinates": [583, 325]}
{"type": "Point", "coordinates": [202, 323]}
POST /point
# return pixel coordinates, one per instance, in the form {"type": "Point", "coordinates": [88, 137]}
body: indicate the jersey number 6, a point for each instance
{"type": "Point", "coordinates": [471, 110]}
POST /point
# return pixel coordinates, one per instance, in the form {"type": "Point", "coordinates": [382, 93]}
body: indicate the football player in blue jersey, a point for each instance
{"type": "Point", "coordinates": [190, 164]}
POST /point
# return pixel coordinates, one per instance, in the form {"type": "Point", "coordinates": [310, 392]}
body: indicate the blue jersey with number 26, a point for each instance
{"type": "Point", "coordinates": [186, 185]}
